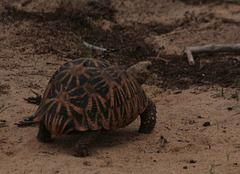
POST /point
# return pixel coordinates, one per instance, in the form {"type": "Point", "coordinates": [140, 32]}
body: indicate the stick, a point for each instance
{"type": "Point", "coordinates": [210, 48]}
{"type": "Point", "coordinates": [89, 45]}
{"type": "Point", "coordinates": [160, 58]}
{"type": "Point", "coordinates": [161, 143]}
{"type": "Point", "coordinates": [26, 122]}
{"type": "Point", "coordinates": [92, 46]}
{"type": "Point", "coordinates": [233, 1]}
{"type": "Point", "coordinates": [62, 52]}
{"type": "Point", "coordinates": [34, 100]}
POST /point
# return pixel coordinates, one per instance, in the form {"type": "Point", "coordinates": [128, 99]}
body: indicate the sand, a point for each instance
{"type": "Point", "coordinates": [197, 128]}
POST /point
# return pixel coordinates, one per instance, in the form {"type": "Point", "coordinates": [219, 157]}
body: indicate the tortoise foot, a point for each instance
{"type": "Point", "coordinates": [81, 152]}
{"type": "Point", "coordinates": [43, 134]}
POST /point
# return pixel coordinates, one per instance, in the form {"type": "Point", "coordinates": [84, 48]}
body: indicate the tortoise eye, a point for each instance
{"type": "Point", "coordinates": [148, 67]}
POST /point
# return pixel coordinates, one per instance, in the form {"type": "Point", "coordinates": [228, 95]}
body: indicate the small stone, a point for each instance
{"type": "Point", "coordinates": [178, 92]}
{"type": "Point", "coordinates": [185, 167]}
{"type": "Point", "coordinates": [206, 124]}
{"type": "Point", "coordinates": [9, 153]}
{"type": "Point", "coordinates": [192, 161]}
{"type": "Point", "coordinates": [230, 108]}
{"type": "Point", "coordinates": [86, 163]}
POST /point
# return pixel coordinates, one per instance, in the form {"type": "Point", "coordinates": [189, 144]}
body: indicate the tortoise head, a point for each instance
{"type": "Point", "coordinates": [140, 71]}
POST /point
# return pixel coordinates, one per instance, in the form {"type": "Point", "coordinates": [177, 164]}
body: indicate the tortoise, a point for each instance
{"type": "Point", "coordinates": [91, 95]}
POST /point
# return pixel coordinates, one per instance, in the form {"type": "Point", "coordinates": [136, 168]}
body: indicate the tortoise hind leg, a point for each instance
{"type": "Point", "coordinates": [43, 134]}
{"type": "Point", "coordinates": [81, 147]}
{"type": "Point", "coordinates": [148, 118]}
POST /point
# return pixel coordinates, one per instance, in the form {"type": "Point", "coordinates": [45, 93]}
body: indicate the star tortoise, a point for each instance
{"type": "Point", "coordinates": [91, 95]}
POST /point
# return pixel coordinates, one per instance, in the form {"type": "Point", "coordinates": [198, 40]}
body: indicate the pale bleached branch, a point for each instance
{"type": "Point", "coordinates": [90, 46]}
{"type": "Point", "coordinates": [93, 47]}
{"type": "Point", "coordinates": [233, 1]}
{"type": "Point", "coordinates": [189, 51]}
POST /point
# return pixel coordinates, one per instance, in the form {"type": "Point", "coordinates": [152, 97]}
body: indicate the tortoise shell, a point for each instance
{"type": "Point", "coordinates": [90, 94]}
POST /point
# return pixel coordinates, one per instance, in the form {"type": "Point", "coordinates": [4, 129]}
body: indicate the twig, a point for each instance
{"type": "Point", "coordinates": [231, 21]}
{"type": "Point", "coordinates": [210, 48]}
{"type": "Point", "coordinates": [160, 58]}
{"type": "Point", "coordinates": [3, 140]}
{"type": "Point", "coordinates": [34, 100]}
{"type": "Point", "coordinates": [162, 141]}
{"type": "Point", "coordinates": [237, 58]}
{"type": "Point", "coordinates": [91, 46]}
{"type": "Point", "coordinates": [26, 122]}
{"type": "Point", "coordinates": [201, 64]}
{"type": "Point", "coordinates": [3, 123]}
{"type": "Point", "coordinates": [2, 110]}
{"type": "Point", "coordinates": [230, 117]}
{"type": "Point", "coordinates": [233, 1]}
{"type": "Point", "coordinates": [60, 51]}
{"type": "Point", "coordinates": [26, 2]}
{"type": "Point", "coordinates": [97, 48]}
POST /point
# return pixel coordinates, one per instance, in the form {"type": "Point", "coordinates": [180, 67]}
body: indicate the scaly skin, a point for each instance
{"type": "Point", "coordinates": [148, 118]}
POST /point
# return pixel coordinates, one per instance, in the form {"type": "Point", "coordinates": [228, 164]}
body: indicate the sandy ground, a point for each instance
{"type": "Point", "coordinates": [197, 128]}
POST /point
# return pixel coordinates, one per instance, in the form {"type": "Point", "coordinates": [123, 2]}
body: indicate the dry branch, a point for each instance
{"type": "Point", "coordinates": [96, 47]}
{"type": "Point", "coordinates": [34, 100]}
{"type": "Point", "coordinates": [93, 47]}
{"type": "Point", "coordinates": [161, 142]}
{"type": "Point", "coordinates": [233, 1]}
{"type": "Point", "coordinates": [160, 58]}
{"type": "Point", "coordinates": [90, 46]}
{"type": "Point", "coordinates": [210, 48]}
{"type": "Point", "coordinates": [26, 122]}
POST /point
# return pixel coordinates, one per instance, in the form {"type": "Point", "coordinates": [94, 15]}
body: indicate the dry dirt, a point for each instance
{"type": "Point", "coordinates": [197, 128]}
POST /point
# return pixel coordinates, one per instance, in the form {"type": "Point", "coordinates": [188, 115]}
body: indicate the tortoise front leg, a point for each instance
{"type": "Point", "coordinates": [43, 134]}
{"type": "Point", "coordinates": [84, 139]}
{"type": "Point", "coordinates": [148, 118]}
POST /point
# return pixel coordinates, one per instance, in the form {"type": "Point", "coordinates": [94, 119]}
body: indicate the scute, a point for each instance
{"type": "Point", "coordinates": [78, 62]}
{"type": "Point", "coordinates": [82, 79]}
{"type": "Point", "coordinates": [76, 92]}
{"type": "Point", "coordinates": [90, 94]}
